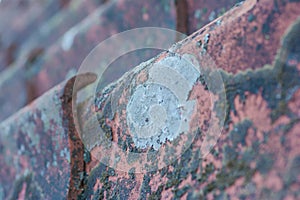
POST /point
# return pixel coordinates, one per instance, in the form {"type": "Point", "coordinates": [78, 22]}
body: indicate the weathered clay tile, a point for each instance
{"type": "Point", "coordinates": [64, 57]}
{"type": "Point", "coordinates": [255, 47]}
{"type": "Point", "coordinates": [57, 63]}
{"type": "Point", "coordinates": [18, 20]}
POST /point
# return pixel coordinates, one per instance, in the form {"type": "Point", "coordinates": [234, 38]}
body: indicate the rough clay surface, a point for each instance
{"type": "Point", "coordinates": [256, 155]}
{"type": "Point", "coordinates": [255, 47]}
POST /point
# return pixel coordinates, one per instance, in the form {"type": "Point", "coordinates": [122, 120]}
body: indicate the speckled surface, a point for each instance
{"type": "Point", "coordinates": [35, 157]}
{"type": "Point", "coordinates": [255, 47]}
{"type": "Point", "coordinates": [41, 59]}
{"type": "Point", "coordinates": [256, 156]}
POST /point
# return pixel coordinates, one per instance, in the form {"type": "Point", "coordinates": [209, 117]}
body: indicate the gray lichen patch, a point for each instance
{"type": "Point", "coordinates": [158, 109]}
{"type": "Point", "coordinates": [153, 115]}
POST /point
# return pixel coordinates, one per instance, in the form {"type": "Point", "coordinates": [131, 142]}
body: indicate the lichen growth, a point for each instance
{"type": "Point", "coordinates": [276, 84]}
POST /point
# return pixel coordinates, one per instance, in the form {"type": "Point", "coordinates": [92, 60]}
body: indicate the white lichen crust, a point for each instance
{"type": "Point", "coordinates": [159, 109]}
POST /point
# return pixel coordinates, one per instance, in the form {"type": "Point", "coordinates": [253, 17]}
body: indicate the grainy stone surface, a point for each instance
{"type": "Point", "coordinates": [41, 56]}
{"type": "Point", "coordinates": [255, 47]}
{"type": "Point", "coordinates": [255, 156]}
